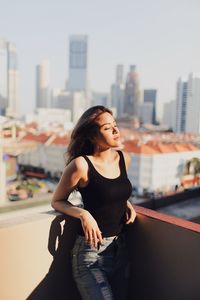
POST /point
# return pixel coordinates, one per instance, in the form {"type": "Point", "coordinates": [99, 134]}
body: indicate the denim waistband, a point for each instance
{"type": "Point", "coordinates": [107, 238]}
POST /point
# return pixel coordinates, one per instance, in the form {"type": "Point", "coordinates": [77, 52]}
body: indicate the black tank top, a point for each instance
{"type": "Point", "coordinates": [105, 198]}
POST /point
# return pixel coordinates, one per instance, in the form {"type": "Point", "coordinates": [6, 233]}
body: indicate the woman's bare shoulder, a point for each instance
{"type": "Point", "coordinates": [78, 164]}
{"type": "Point", "coordinates": [127, 159]}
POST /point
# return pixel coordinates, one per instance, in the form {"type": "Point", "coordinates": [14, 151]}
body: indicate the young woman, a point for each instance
{"type": "Point", "coordinates": [98, 172]}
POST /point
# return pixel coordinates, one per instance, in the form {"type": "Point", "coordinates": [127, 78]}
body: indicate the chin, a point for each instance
{"type": "Point", "coordinates": [118, 144]}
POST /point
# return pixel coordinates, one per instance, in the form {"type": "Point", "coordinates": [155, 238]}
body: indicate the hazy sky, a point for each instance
{"type": "Point", "coordinates": [162, 38]}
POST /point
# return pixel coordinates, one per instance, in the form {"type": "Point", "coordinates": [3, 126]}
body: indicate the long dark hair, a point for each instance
{"type": "Point", "coordinates": [85, 132]}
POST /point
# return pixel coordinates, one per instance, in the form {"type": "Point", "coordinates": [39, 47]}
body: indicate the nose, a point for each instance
{"type": "Point", "coordinates": [115, 130]}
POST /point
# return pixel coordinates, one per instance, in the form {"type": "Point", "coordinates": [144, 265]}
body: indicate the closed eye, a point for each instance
{"type": "Point", "coordinates": [107, 128]}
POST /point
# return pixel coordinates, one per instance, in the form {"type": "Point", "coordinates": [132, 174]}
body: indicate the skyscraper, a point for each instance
{"type": "Point", "coordinates": [117, 91]}
{"type": "Point", "coordinates": [9, 78]}
{"type": "Point", "coordinates": [181, 105]}
{"type": "Point", "coordinates": [169, 114]}
{"type": "Point", "coordinates": [42, 85]}
{"type": "Point", "coordinates": [146, 112]}
{"type": "Point", "coordinates": [193, 104]}
{"type": "Point", "coordinates": [132, 93]}
{"type": "Point", "coordinates": [77, 63]}
{"type": "Point", "coordinates": [150, 97]}
{"type": "Point", "coordinates": [119, 74]}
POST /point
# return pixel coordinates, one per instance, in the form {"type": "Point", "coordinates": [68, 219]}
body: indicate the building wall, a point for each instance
{"type": "Point", "coordinates": [50, 115]}
{"type": "Point", "coordinates": [193, 104]}
{"type": "Point", "coordinates": [77, 63]}
{"type": "Point", "coordinates": [4, 76]}
{"type": "Point", "coordinates": [159, 171]}
{"type": "Point", "coordinates": [13, 103]}
{"type": "Point", "coordinates": [9, 79]}
{"type": "Point", "coordinates": [169, 114]}
{"type": "Point", "coordinates": [181, 102]}
{"type": "Point", "coordinates": [150, 97]}
{"type": "Point", "coordinates": [42, 85]}
{"type": "Point", "coordinates": [146, 112]}
{"type": "Point", "coordinates": [75, 102]}
{"type": "Point", "coordinates": [36, 263]}
{"type": "Point", "coordinates": [55, 160]}
{"type": "Point", "coordinates": [51, 158]}
{"type": "Point", "coordinates": [132, 93]}
{"type": "Point", "coordinates": [117, 98]}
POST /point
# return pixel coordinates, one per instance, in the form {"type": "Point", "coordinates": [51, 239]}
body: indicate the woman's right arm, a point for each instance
{"type": "Point", "coordinates": [73, 173]}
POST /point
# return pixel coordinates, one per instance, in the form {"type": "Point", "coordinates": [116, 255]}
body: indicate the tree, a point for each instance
{"type": "Point", "coordinates": [193, 168]}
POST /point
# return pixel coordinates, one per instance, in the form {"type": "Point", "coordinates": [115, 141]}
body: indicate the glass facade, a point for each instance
{"type": "Point", "coordinates": [78, 54]}
{"type": "Point", "coordinates": [150, 96]}
{"type": "Point", "coordinates": [77, 63]}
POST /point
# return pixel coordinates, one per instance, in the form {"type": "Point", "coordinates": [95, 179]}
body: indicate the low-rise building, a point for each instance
{"type": "Point", "coordinates": [50, 153]}
{"type": "Point", "coordinates": [158, 167]}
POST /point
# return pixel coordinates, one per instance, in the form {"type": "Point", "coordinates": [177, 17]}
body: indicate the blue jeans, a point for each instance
{"type": "Point", "coordinates": [92, 267]}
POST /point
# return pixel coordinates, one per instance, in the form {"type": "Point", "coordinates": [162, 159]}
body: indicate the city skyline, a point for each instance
{"type": "Point", "coordinates": [161, 40]}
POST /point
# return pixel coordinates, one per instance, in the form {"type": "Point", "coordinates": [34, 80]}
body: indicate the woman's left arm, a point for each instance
{"type": "Point", "coordinates": [130, 211]}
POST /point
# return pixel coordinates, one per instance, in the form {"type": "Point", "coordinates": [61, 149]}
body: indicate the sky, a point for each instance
{"type": "Point", "coordinates": [160, 37]}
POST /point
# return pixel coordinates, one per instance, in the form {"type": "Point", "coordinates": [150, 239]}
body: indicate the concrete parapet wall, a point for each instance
{"type": "Point", "coordinates": [163, 256]}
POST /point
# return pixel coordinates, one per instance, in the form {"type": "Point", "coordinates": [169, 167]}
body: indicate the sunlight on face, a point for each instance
{"type": "Point", "coordinates": [106, 120]}
{"type": "Point", "coordinates": [109, 132]}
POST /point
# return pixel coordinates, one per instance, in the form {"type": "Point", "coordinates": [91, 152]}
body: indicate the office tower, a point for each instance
{"type": "Point", "coordinates": [146, 112]}
{"type": "Point", "coordinates": [132, 94]}
{"type": "Point", "coordinates": [4, 76]}
{"type": "Point", "coordinates": [193, 104]}
{"type": "Point", "coordinates": [117, 91]}
{"type": "Point", "coordinates": [169, 114]}
{"type": "Point", "coordinates": [181, 105]}
{"type": "Point", "coordinates": [42, 85]}
{"type": "Point", "coordinates": [150, 97]}
{"type": "Point", "coordinates": [55, 92]}
{"type": "Point", "coordinates": [9, 79]}
{"type": "Point", "coordinates": [75, 102]}
{"type": "Point", "coordinates": [119, 74]}
{"type": "Point", "coordinates": [77, 63]}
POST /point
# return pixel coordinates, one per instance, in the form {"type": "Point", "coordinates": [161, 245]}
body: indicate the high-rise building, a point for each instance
{"type": "Point", "coordinates": [4, 76]}
{"type": "Point", "coordinates": [77, 63]}
{"type": "Point", "coordinates": [132, 93]}
{"type": "Point", "coordinates": [169, 114]}
{"type": "Point", "coordinates": [146, 112]}
{"type": "Point", "coordinates": [150, 97]}
{"type": "Point", "coordinates": [117, 91]}
{"type": "Point", "coordinates": [193, 104]}
{"type": "Point", "coordinates": [75, 102]}
{"type": "Point", "coordinates": [119, 74]}
{"type": "Point", "coordinates": [42, 85]}
{"type": "Point", "coordinates": [181, 105]}
{"type": "Point", "coordinates": [9, 79]}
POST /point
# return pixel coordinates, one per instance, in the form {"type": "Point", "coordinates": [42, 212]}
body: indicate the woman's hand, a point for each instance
{"type": "Point", "coordinates": [91, 230]}
{"type": "Point", "coordinates": [130, 213]}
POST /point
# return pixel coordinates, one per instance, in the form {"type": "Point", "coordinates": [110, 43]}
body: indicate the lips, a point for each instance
{"type": "Point", "coordinates": [116, 138]}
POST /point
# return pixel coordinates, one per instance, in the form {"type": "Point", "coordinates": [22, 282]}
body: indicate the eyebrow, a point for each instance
{"type": "Point", "coordinates": [109, 123]}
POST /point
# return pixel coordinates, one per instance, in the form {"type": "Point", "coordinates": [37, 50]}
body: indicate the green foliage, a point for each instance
{"type": "Point", "coordinates": [193, 166]}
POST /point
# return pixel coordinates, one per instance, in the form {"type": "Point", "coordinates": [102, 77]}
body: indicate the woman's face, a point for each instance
{"type": "Point", "coordinates": [109, 135]}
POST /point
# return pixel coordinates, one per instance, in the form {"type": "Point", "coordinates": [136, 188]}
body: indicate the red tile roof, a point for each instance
{"type": "Point", "coordinates": [158, 148]}
{"type": "Point", "coordinates": [39, 138]}
{"type": "Point", "coordinates": [61, 140]}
